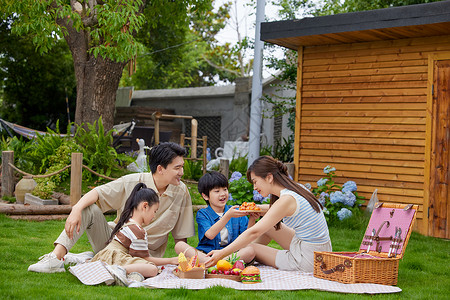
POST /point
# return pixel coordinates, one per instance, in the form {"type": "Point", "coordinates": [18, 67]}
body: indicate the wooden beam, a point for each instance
{"type": "Point", "coordinates": [20, 209]}
{"type": "Point", "coordinates": [298, 112]}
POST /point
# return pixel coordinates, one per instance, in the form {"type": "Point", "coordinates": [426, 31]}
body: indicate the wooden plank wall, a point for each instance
{"type": "Point", "coordinates": [363, 111]}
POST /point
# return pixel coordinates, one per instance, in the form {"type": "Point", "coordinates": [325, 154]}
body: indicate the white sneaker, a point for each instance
{"type": "Point", "coordinates": [48, 263]}
{"type": "Point", "coordinates": [119, 274]}
{"type": "Point", "coordinates": [135, 276]}
{"type": "Point", "coordinates": [77, 258]}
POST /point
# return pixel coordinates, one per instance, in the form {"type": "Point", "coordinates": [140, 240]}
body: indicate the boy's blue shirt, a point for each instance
{"type": "Point", "coordinates": [207, 217]}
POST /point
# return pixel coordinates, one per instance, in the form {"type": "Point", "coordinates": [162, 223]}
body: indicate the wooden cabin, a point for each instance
{"type": "Point", "coordinates": [373, 93]}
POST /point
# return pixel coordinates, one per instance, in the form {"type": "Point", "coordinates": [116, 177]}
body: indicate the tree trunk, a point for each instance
{"type": "Point", "coordinates": [97, 79]}
{"type": "Point", "coordinates": [97, 83]}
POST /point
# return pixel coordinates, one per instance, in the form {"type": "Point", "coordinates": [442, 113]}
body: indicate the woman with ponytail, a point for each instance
{"type": "Point", "coordinates": [294, 219]}
{"type": "Point", "coordinates": [126, 252]}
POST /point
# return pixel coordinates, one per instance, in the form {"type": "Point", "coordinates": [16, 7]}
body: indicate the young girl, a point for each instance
{"type": "Point", "coordinates": [127, 248]}
{"type": "Point", "coordinates": [304, 229]}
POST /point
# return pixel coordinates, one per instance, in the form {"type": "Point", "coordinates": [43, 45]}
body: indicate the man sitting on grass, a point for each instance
{"type": "Point", "coordinates": [174, 215]}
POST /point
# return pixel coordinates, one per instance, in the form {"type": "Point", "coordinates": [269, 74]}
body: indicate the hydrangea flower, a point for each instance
{"type": "Point", "coordinates": [230, 197]}
{"type": "Point", "coordinates": [349, 199]}
{"type": "Point", "coordinates": [235, 176]}
{"type": "Point", "coordinates": [308, 186]}
{"type": "Point", "coordinates": [321, 181]}
{"type": "Point", "coordinates": [328, 169]}
{"type": "Point", "coordinates": [344, 213]}
{"type": "Point", "coordinates": [322, 198]}
{"type": "Point", "coordinates": [326, 211]}
{"type": "Point", "coordinates": [349, 186]}
{"type": "Point", "coordinates": [257, 197]}
{"type": "Point", "coordinates": [336, 197]}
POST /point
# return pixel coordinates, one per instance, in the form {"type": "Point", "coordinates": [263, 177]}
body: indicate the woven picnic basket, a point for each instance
{"type": "Point", "coordinates": [377, 261]}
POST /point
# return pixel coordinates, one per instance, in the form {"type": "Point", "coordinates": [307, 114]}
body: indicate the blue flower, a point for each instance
{"type": "Point", "coordinates": [321, 181]}
{"type": "Point", "coordinates": [230, 197]}
{"type": "Point", "coordinates": [257, 196]}
{"type": "Point", "coordinates": [344, 213]}
{"type": "Point", "coordinates": [349, 199]}
{"type": "Point", "coordinates": [322, 198]}
{"type": "Point", "coordinates": [349, 186]}
{"type": "Point", "coordinates": [328, 169]}
{"type": "Point", "coordinates": [308, 186]}
{"type": "Point", "coordinates": [336, 197]}
{"type": "Point", "coordinates": [235, 176]}
{"type": "Point", "coordinates": [326, 211]}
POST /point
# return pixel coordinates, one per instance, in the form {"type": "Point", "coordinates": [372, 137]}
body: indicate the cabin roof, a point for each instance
{"type": "Point", "coordinates": [421, 20]}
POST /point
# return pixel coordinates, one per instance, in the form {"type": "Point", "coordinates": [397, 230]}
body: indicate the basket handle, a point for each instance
{"type": "Point", "coordinates": [338, 268]}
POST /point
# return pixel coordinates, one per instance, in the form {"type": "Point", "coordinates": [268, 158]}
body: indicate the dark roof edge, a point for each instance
{"type": "Point", "coordinates": [418, 14]}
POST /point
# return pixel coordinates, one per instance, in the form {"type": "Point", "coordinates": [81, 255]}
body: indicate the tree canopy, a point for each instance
{"type": "Point", "coordinates": [34, 87]}
{"type": "Point", "coordinates": [101, 36]}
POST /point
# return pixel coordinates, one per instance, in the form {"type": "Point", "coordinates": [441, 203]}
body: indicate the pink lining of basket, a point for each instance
{"type": "Point", "coordinates": [401, 218]}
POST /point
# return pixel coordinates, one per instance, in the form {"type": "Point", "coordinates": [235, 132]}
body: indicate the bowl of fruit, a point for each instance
{"type": "Point", "coordinates": [229, 268]}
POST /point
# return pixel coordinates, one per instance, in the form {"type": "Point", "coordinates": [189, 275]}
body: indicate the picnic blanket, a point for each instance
{"type": "Point", "coordinates": [272, 279]}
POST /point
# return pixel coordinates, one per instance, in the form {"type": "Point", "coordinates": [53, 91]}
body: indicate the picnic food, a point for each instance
{"type": "Point", "coordinates": [250, 275]}
{"type": "Point", "coordinates": [182, 262]}
{"type": "Point", "coordinates": [249, 206]}
{"type": "Point", "coordinates": [223, 265]}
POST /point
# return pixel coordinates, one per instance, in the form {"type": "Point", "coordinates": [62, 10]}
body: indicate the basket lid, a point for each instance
{"type": "Point", "coordinates": [389, 229]}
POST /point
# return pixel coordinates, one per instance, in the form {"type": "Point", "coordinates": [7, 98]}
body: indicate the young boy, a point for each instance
{"type": "Point", "coordinates": [219, 224]}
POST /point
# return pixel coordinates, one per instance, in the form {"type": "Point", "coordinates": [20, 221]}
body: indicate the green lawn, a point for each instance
{"type": "Point", "coordinates": [424, 272]}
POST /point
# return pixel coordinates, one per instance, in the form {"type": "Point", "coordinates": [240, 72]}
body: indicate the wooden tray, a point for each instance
{"type": "Point", "coordinates": [248, 210]}
{"type": "Point", "coordinates": [222, 276]}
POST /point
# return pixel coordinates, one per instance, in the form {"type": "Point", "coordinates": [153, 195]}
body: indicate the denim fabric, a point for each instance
{"type": "Point", "coordinates": [207, 217]}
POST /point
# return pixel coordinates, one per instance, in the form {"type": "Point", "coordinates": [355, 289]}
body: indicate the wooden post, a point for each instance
{"type": "Point", "coordinates": [205, 140]}
{"type": "Point", "coordinates": [7, 173]}
{"type": "Point", "coordinates": [156, 115]}
{"type": "Point", "coordinates": [194, 126]}
{"type": "Point", "coordinates": [76, 169]}
{"type": "Point", "coordinates": [224, 167]}
{"type": "Point", "coordinates": [182, 136]}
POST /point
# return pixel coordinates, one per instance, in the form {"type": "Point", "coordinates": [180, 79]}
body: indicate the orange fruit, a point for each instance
{"type": "Point", "coordinates": [223, 265]}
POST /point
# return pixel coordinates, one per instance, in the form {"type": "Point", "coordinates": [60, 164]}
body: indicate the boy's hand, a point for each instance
{"type": "Point", "coordinates": [233, 212]}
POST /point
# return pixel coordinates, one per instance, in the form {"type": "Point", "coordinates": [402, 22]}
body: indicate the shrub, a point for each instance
{"type": "Point", "coordinates": [96, 144]}
{"type": "Point", "coordinates": [339, 203]}
{"type": "Point", "coordinates": [240, 190]}
{"type": "Point", "coordinates": [192, 169]}
{"type": "Point", "coordinates": [239, 164]}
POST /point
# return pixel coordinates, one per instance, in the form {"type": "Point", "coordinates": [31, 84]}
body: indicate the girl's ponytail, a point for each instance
{"type": "Point", "coordinates": [131, 203]}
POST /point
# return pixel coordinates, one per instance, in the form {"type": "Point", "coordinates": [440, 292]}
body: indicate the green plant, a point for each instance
{"type": "Point", "coordinates": [44, 188]}
{"type": "Point", "coordinates": [44, 146]}
{"type": "Point", "coordinates": [240, 190]}
{"type": "Point", "coordinates": [266, 150]}
{"type": "Point", "coordinates": [193, 169]}
{"type": "Point", "coordinates": [284, 150]}
{"type": "Point", "coordinates": [9, 199]}
{"type": "Point", "coordinates": [239, 164]}
{"type": "Point", "coordinates": [21, 149]}
{"type": "Point", "coordinates": [340, 202]}
{"type": "Point", "coordinates": [96, 145]}
{"type": "Point", "coordinates": [62, 157]}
